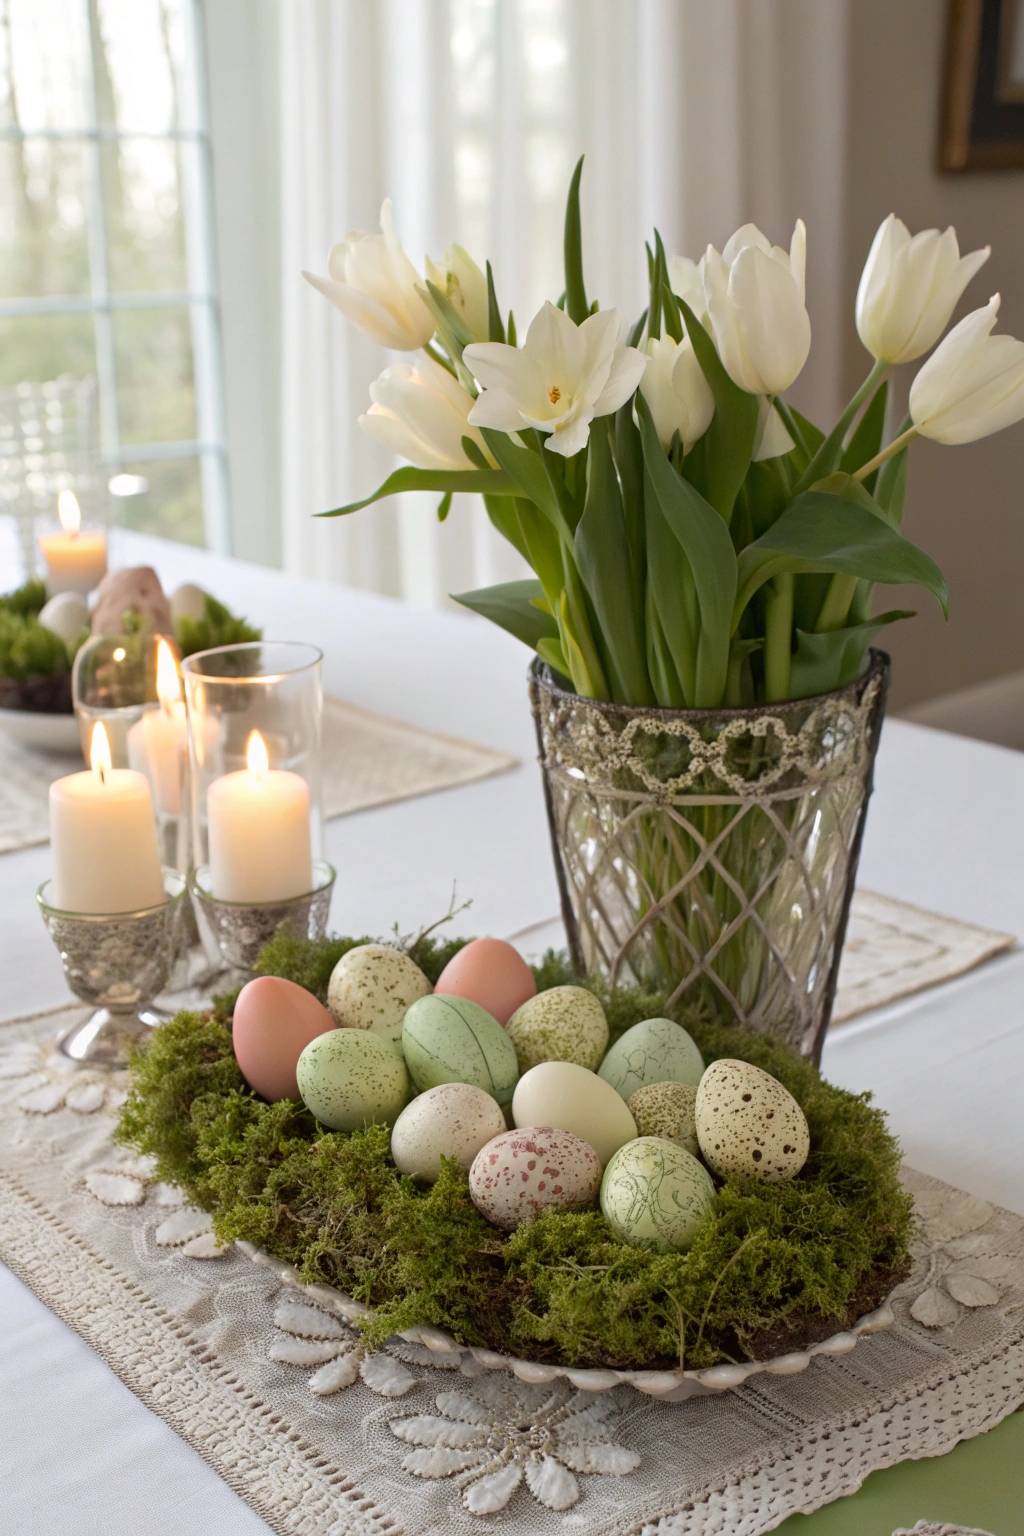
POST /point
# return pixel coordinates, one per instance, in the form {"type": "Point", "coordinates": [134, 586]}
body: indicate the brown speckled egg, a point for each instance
{"type": "Point", "coordinates": [666, 1110]}
{"type": "Point", "coordinates": [561, 1024]}
{"type": "Point", "coordinates": [490, 972]}
{"type": "Point", "coordinates": [748, 1125]}
{"type": "Point", "coordinates": [521, 1174]}
{"type": "Point", "coordinates": [451, 1120]}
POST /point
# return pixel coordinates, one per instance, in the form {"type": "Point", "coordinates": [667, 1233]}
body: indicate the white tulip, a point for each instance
{"type": "Point", "coordinates": [676, 390]}
{"type": "Point", "coordinates": [909, 288]}
{"type": "Point", "coordinates": [420, 412]}
{"type": "Point", "coordinates": [973, 383]}
{"type": "Point", "coordinates": [771, 439]}
{"type": "Point", "coordinates": [373, 283]}
{"type": "Point", "coordinates": [755, 300]}
{"type": "Point", "coordinates": [686, 279]}
{"type": "Point", "coordinates": [464, 286]}
{"type": "Point", "coordinates": [563, 376]}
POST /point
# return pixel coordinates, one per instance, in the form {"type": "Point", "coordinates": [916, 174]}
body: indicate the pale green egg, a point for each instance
{"type": "Point", "coordinates": [655, 1191]}
{"type": "Point", "coordinates": [451, 1040]}
{"type": "Point", "coordinates": [653, 1051]}
{"type": "Point", "coordinates": [350, 1078]}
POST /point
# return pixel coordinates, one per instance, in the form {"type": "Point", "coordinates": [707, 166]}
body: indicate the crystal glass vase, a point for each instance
{"type": "Point", "coordinates": [712, 853]}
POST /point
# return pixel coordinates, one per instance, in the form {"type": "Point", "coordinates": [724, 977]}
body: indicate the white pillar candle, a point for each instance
{"type": "Point", "coordinates": [158, 743]}
{"type": "Point", "coordinates": [259, 835]}
{"type": "Point", "coordinates": [76, 560]}
{"type": "Point", "coordinates": [103, 839]}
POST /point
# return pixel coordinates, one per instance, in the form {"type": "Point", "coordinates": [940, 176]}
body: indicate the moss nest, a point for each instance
{"type": "Point", "coordinates": [775, 1268]}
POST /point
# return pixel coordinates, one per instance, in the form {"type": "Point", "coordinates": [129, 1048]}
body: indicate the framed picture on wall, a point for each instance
{"type": "Point", "coordinates": [983, 97]}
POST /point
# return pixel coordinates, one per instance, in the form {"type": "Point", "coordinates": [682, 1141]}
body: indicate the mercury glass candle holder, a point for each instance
{"type": "Point", "coordinates": [237, 931]}
{"type": "Point", "coordinates": [118, 962]}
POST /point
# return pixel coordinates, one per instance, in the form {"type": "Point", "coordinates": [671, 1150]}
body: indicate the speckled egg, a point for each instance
{"type": "Point", "coordinates": [748, 1125]}
{"type": "Point", "coordinates": [561, 1024]}
{"type": "Point", "coordinates": [372, 987]}
{"type": "Point", "coordinates": [521, 1174]}
{"type": "Point", "coordinates": [654, 1191]}
{"type": "Point", "coordinates": [451, 1120]}
{"type": "Point", "coordinates": [490, 972]}
{"type": "Point", "coordinates": [350, 1078]}
{"type": "Point", "coordinates": [653, 1051]}
{"type": "Point", "coordinates": [666, 1110]}
{"type": "Point", "coordinates": [567, 1096]}
{"type": "Point", "coordinates": [274, 1020]}
{"type": "Point", "coordinates": [453, 1040]}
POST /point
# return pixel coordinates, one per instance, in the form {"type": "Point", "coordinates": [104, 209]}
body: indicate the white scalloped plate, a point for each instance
{"type": "Point", "coordinates": [46, 733]}
{"type": "Point", "coordinates": [668, 1386]}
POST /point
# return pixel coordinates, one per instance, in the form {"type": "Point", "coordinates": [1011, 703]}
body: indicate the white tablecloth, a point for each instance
{"type": "Point", "coordinates": [77, 1452]}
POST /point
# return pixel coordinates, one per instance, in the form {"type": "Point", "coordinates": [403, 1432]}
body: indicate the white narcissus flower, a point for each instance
{"type": "Point", "coordinates": [676, 390]}
{"type": "Point", "coordinates": [755, 300]}
{"type": "Point", "coordinates": [973, 383]}
{"type": "Point", "coordinates": [563, 376]}
{"type": "Point", "coordinates": [420, 412]}
{"type": "Point", "coordinates": [373, 283]}
{"type": "Point", "coordinates": [464, 286]}
{"type": "Point", "coordinates": [909, 288]}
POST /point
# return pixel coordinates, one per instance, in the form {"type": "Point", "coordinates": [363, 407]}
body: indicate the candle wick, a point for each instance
{"type": "Point", "coordinates": [103, 774]}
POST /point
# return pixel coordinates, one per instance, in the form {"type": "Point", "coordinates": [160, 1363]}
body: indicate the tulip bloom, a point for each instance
{"type": "Point", "coordinates": [373, 283]}
{"type": "Point", "coordinates": [755, 300]}
{"type": "Point", "coordinates": [464, 286]}
{"type": "Point", "coordinates": [909, 288]}
{"type": "Point", "coordinates": [973, 383]}
{"type": "Point", "coordinates": [563, 376]}
{"type": "Point", "coordinates": [686, 279]}
{"type": "Point", "coordinates": [422, 413]}
{"type": "Point", "coordinates": [677, 392]}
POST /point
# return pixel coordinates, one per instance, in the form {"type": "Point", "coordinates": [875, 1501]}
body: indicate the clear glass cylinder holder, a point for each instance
{"type": "Point", "coordinates": [273, 689]}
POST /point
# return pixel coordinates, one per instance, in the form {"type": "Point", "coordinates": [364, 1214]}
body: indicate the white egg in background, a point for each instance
{"type": "Point", "coordinates": [451, 1120]}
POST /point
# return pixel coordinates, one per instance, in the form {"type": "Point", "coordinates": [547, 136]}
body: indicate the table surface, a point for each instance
{"type": "Point", "coordinates": [945, 832]}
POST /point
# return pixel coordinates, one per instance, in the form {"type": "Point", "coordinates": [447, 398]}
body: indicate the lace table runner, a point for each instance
{"type": "Point", "coordinates": [368, 760]}
{"type": "Point", "coordinates": [271, 1385]}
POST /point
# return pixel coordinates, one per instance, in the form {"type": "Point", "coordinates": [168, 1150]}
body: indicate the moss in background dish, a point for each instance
{"type": "Point", "coordinates": [35, 664]}
{"type": "Point", "coordinates": [218, 626]}
{"type": "Point", "coordinates": [777, 1266]}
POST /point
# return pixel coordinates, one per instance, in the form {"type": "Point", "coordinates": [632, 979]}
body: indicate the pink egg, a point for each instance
{"type": "Point", "coordinates": [274, 1022]}
{"type": "Point", "coordinates": [491, 973]}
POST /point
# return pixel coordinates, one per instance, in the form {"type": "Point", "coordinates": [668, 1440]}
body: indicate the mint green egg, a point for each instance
{"type": "Point", "coordinates": [451, 1040]}
{"type": "Point", "coordinates": [350, 1078]}
{"type": "Point", "coordinates": [653, 1051]}
{"type": "Point", "coordinates": [655, 1191]}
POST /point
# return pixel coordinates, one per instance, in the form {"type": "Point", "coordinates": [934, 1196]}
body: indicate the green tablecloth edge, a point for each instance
{"type": "Point", "coordinates": [980, 1483]}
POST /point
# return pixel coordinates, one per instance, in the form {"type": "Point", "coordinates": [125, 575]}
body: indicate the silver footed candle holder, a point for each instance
{"type": "Point", "coordinates": [239, 929]}
{"type": "Point", "coordinates": [118, 962]}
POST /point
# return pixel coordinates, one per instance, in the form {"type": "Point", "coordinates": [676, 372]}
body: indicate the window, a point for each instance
{"type": "Point", "coordinates": [106, 242]}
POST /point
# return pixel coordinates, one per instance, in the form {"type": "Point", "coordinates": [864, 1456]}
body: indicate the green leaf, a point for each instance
{"type": "Point", "coordinates": [444, 506]}
{"type": "Point", "coordinates": [672, 321]}
{"type": "Point", "coordinates": [511, 329]}
{"type": "Point", "coordinates": [528, 476]}
{"type": "Point", "coordinates": [705, 540]}
{"type": "Point", "coordinates": [867, 439]}
{"type": "Point", "coordinates": [824, 662]}
{"type": "Point", "coordinates": [472, 451]}
{"type": "Point", "coordinates": [551, 651]}
{"type": "Point", "coordinates": [603, 558]}
{"type": "Point", "coordinates": [512, 606]}
{"type": "Point", "coordinates": [820, 531]}
{"type": "Point", "coordinates": [629, 461]}
{"type": "Point", "coordinates": [576, 306]}
{"type": "Point", "coordinates": [654, 284]}
{"type": "Point", "coordinates": [529, 531]}
{"type": "Point", "coordinates": [891, 487]}
{"type": "Point", "coordinates": [668, 689]}
{"type": "Point", "coordinates": [494, 482]}
{"type": "Point", "coordinates": [768, 493]}
{"type": "Point", "coordinates": [729, 441]}
{"type": "Point", "coordinates": [633, 339]}
{"type": "Point", "coordinates": [495, 329]}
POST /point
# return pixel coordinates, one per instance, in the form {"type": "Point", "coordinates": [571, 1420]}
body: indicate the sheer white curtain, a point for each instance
{"type": "Point", "coordinates": [694, 114]}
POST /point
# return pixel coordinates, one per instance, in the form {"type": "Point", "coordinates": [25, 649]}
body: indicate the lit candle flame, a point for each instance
{"type": "Point", "coordinates": [256, 759]}
{"type": "Point", "coordinates": [69, 512]}
{"type": "Point", "coordinates": [99, 751]}
{"type": "Point", "coordinates": [168, 683]}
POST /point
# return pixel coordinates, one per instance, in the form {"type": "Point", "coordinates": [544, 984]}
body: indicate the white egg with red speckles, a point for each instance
{"type": "Point", "coordinates": [522, 1174]}
{"type": "Point", "coordinates": [451, 1120]}
{"type": "Point", "coordinates": [749, 1125]}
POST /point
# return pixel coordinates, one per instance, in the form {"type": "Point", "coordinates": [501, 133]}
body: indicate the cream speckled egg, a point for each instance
{"type": "Point", "coordinates": [452, 1040]}
{"type": "Point", "coordinates": [654, 1191]}
{"type": "Point", "coordinates": [562, 1024]}
{"type": "Point", "coordinates": [372, 987]}
{"type": "Point", "coordinates": [653, 1051]}
{"type": "Point", "coordinates": [562, 1094]}
{"type": "Point", "coordinates": [350, 1078]}
{"type": "Point", "coordinates": [666, 1110]}
{"type": "Point", "coordinates": [524, 1173]}
{"type": "Point", "coordinates": [451, 1120]}
{"type": "Point", "coordinates": [748, 1124]}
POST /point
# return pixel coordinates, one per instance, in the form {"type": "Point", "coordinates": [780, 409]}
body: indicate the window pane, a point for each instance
{"type": "Point", "coordinates": [40, 347]}
{"type": "Point", "coordinates": [44, 65]}
{"type": "Point", "coordinates": [173, 504]}
{"type": "Point", "coordinates": [145, 230]}
{"type": "Point", "coordinates": [142, 81]}
{"type": "Point", "coordinates": [153, 359]}
{"type": "Point", "coordinates": [44, 243]}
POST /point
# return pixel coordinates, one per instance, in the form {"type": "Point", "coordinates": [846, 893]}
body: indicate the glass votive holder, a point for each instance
{"type": "Point", "coordinates": [238, 930]}
{"type": "Point", "coordinates": [118, 962]}
{"type": "Point", "coordinates": [254, 721]}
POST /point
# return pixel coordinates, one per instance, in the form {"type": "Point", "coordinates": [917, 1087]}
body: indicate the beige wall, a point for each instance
{"type": "Point", "coordinates": [965, 505]}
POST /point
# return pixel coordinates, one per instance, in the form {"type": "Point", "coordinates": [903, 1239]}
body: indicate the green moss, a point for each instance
{"type": "Point", "coordinates": [218, 626]}
{"type": "Point", "coordinates": [26, 600]}
{"type": "Point", "coordinates": [773, 1263]}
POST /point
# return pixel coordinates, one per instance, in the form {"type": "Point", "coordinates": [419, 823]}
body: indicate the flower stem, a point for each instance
{"type": "Point", "coordinates": [778, 639]}
{"type": "Point", "coordinates": [888, 452]}
{"type": "Point", "coordinates": [836, 608]}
